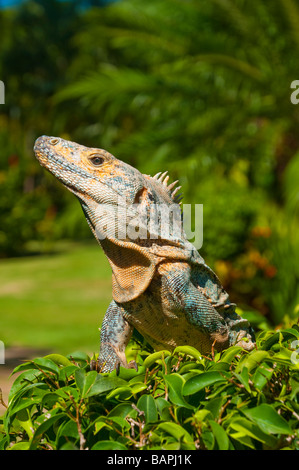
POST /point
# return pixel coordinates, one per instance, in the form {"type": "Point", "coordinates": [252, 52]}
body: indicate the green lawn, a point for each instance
{"type": "Point", "coordinates": [56, 301]}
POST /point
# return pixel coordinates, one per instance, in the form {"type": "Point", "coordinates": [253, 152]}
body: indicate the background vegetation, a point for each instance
{"type": "Point", "coordinates": [200, 88]}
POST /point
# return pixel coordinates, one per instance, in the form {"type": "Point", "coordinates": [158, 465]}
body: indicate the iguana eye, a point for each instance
{"type": "Point", "coordinates": [96, 160]}
{"type": "Point", "coordinates": [54, 141]}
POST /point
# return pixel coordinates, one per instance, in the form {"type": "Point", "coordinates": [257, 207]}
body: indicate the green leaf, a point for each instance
{"type": "Point", "coordinates": [120, 392]}
{"type": "Point", "coordinates": [46, 365]}
{"type": "Point", "coordinates": [40, 364]}
{"type": "Point", "coordinates": [221, 366]}
{"type": "Point", "coordinates": [243, 378]}
{"type": "Point", "coordinates": [189, 350]}
{"type": "Point", "coordinates": [111, 423]}
{"type": "Point", "coordinates": [108, 445]}
{"type": "Point", "coordinates": [229, 354]}
{"type": "Point", "coordinates": [121, 422]}
{"type": "Point", "coordinates": [42, 428]}
{"type": "Point", "coordinates": [85, 381]}
{"type": "Point", "coordinates": [200, 416]}
{"type": "Point", "coordinates": [80, 379]}
{"type": "Point", "coordinates": [147, 404]}
{"type": "Point", "coordinates": [122, 410]}
{"type": "Point", "coordinates": [220, 435]}
{"type": "Point", "coordinates": [128, 374]}
{"type": "Point", "coordinates": [261, 377]}
{"type": "Point", "coordinates": [252, 360]}
{"type": "Point", "coordinates": [78, 356]}
{"type": "Point", "coordinates": [49, 399]}
{"type": "Point", "coordinates": [23, 378]}
{"type": "Point", "coordinates": [28, 396]}
{"type": "Point", "coordinates": [68, 429]}
{"type": "Point", "coordinates": [89, 381]}
{"type": "Point", "coordinates": [138, 387]}
{"type": "Point", "coordinates": [101, 423]}
{"type": "Point", "coordinates": [188, 366]}
{"type": "Point", "coordinates": [175, 384]}
{"type": "Point", "coordinates": [163, 408]}
{"type": "Point", "coordinates": [214, 406]}
{"type": "Point", "coordinates": [286, 357]}
{"type": "Point", "coordinates": [24, 418]}
{"type": "Point", "coordinates": [268, 420]}
{"type": "Point", "coordinates": [24, 445]}
{"type": "Point", "coordinates": [200, 381]}
{"type": "Point", "coordinates": [175, 430]}
{"type": "Point", "coordinates": [26, 366]}
{"type": "Point", "coordinates": [65, 392]}
{"type": "Point", "coordinates": [155, 357]}
{"type": "Point", "coordinates": [59, 360]}
{"type": "Point", "coordinates": [104, 384]}
{"type": "Point", "coordinates": [276, 337]}
{"type": "Point", "coordinates": [244, 431]}
{"type": "Point", "coordinates": [66, 372]}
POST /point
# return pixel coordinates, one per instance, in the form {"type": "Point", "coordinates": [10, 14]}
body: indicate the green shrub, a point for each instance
{"type": "Point", "coordinates": [175, 401]}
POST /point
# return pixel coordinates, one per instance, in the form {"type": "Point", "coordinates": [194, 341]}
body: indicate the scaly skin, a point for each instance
{"type": "Point", "coordinates": [161, 285]}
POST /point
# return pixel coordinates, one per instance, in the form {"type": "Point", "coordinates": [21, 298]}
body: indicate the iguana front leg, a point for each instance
{"type": "Point", "coordinates": [115, 335]}
{"type": "Point", "coordinates": [221, 332]}
{"type": "Point", "coordinates": [201, 314]}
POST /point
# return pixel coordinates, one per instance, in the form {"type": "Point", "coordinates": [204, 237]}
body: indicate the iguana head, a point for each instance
{"type": "Point", "coordinates": [111, 191]}
{"type": "Point", "coordinates": [96, 174]}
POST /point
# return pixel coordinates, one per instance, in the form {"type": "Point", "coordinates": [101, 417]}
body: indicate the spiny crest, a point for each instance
{"type": "Point", "coordinates": [163, 179]}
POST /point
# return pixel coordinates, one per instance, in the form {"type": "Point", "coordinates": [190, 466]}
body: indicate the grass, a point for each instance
{"type": "Point", "coordinates": [56, 301]}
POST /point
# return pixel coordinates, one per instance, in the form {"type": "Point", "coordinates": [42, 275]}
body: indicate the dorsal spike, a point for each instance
{"type": "Point", "coordinates": [172, 185]}
{"type": "Point", "coordinates": [175, 191]}
{"type": "Point", "coordinates": [163, 176]}
{"type": "Point", "coordinates": [166, 180]}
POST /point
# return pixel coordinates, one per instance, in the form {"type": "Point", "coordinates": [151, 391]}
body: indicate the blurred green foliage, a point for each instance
{"type": "Point", "coordinates": [200, 88]}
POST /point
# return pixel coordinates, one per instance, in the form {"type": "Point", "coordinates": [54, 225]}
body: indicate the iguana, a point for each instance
{"type": "Point", "coordinates": [161, 285]}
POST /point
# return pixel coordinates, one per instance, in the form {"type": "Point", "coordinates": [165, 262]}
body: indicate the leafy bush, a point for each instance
{"type": "Point", "coordinates": [229, 400]}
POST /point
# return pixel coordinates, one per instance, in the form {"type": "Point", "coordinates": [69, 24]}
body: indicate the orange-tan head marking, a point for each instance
{"type": "Point", "coordinates": [115, 197]}
{"type": "Point", "coordinates": [89, 172]}
{"type": "Point", "coordinates": [96, 174]}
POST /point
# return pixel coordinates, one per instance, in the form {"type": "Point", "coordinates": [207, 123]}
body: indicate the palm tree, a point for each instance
{"type": "Point", "coordinates": [193, 83]}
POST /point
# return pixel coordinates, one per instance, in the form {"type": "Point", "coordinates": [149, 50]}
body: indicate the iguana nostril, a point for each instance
{"type": "Point", "coordinates": [54, 141]}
